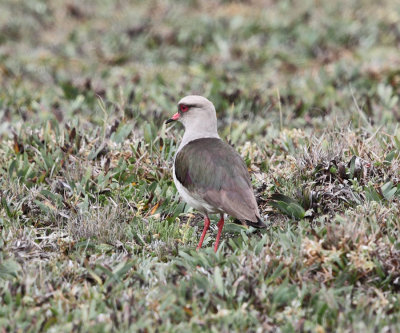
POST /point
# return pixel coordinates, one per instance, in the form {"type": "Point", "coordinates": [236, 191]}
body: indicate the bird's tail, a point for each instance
{"type": "Point", "coordinates": [259, 224]}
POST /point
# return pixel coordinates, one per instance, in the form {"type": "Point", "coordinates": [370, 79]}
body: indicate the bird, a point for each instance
{"type": "Point", "coordinates": [208, 173]}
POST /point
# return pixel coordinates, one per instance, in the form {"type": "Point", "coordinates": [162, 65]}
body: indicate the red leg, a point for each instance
{"type": "Point", "coordinates": [220, 226]}
{"type": "Point", "coordinates": [206, 226]}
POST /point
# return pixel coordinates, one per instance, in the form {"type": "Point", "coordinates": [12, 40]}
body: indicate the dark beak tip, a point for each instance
{"type": "Point", "coordinates": [169, 121]}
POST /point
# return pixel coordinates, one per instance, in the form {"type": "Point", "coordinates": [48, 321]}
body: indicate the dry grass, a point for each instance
{"type": "Point", "coordinates": [93, 235]}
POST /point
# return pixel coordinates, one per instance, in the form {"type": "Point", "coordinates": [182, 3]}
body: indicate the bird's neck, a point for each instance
{"type": "Point", "coordinates": [193, 134]}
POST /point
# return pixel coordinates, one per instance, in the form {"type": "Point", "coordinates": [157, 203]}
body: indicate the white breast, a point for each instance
{"type": "Point", "coordinates": [192, 200]}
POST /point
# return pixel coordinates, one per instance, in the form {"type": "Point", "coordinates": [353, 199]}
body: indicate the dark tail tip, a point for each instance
{"type": "Point", "coordinates": [259, 224]}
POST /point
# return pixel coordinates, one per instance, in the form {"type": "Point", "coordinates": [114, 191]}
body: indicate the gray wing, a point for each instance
{"type": "Point", "coordinates": [214, 171]}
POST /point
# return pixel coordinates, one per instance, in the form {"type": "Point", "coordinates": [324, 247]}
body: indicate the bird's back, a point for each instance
{"type": "Point", "coordinates": [214, 172]}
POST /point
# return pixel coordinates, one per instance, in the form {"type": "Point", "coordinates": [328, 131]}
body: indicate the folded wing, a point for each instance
{"type": "Point", "coordinates": [212, 170]}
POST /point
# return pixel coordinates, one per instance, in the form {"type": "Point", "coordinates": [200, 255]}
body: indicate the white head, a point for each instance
{"type": "Point", "coordinates": [198, 116]}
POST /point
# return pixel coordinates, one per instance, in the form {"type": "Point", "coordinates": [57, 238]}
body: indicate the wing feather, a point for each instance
{"type": "Point", "coordinates": [214, 171]}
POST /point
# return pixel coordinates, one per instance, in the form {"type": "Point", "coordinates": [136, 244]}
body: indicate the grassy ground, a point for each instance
{"type": "Point", "coordinates": [93, 234]}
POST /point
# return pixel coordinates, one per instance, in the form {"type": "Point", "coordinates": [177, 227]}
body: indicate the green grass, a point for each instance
{"type": "Point", "coordinates": [94, 236]}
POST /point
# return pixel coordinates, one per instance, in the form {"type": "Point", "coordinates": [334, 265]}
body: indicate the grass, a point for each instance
{"type": "Point", "coordinates": [94, 236]}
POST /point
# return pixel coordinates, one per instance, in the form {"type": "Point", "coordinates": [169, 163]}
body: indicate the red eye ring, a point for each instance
{"type": "Point", "coordinates": [184, 107]}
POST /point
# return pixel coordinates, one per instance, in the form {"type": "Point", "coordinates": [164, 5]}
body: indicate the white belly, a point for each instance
{"type": "Point", "coordinates": [193, 201]}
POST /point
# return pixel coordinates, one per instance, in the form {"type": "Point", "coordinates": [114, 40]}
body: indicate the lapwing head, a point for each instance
{"type": "Point", "coordinates": [194, 110]}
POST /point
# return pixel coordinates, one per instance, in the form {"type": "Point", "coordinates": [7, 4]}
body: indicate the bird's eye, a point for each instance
{"type": "Point", "coordinates": [184, 107]}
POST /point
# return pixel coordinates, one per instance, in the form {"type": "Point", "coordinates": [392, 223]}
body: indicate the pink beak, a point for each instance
{"type": "Point", "coordinates": [176, 116]}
